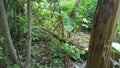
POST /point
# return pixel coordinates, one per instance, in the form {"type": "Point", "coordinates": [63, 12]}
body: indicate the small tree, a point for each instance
{"type": "Point", "coordinates": [29, 36]}
{"type": "Point", "coordinates": [4, 23]}
{"type": "Point", "coordinates": [104, 22]}
{"type": "Point", "coordinates": [7, 32]}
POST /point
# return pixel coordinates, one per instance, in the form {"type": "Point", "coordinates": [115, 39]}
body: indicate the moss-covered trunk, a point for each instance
{"type": "Point", "coordinates": [104, 22]}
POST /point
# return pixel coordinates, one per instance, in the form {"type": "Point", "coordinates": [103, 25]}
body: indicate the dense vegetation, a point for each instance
{"type": "Point", "coordinates": [60, 32]}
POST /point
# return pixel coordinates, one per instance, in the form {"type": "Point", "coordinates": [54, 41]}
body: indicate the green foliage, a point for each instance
{"type": "Point", "coordinates": [118, 33]}
{"type": "Point", "coordinates": [45, 14]}
{"type": "Point", "coordinates": [116, 48]}
{"type": "Point", "coordinates": [72, 51]}
{"type": "Point", "coordinates": [80, 41]}
{"type": "Point", "coordinates": [52, 1]}
{"type": "Point", "coordinates": [1, 53]}
{"type": "Point", "coordinates": [34, 52]}
{"type": "Point", "coordinates": [22, 23]}
{"type": "Point", "coordinates": [116, 63]}
{"type": "Point", "coordinates": [2, 39]}
{"type": "Point", "coordinates": [68, 23]}
{"type": "Point", "coordinates": [13, 66]}
{"type": "Point", "coordinates": [16, 66]}
{"type": "Point", "coordinates": [118, 27]}
{"type": "Point", "coordinates": [66, 6]}
{"type": "Point", "coordinates": [118, 36]}
{"type": "Point", "coordinates": [85, 13]}
{"type": "Point", "coordinates": [50, 60]}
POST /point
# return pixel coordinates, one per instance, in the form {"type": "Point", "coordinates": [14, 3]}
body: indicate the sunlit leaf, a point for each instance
{"type": "Point", "coordinates": [85, 20]}
{"type": "Point", "coordinates": [116, 48]}
{"type": "Point", "coordinates": [118, 27]}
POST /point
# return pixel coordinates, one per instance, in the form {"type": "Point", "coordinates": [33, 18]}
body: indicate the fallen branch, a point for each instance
{"type": "Point", "coordinates": [53, 34]}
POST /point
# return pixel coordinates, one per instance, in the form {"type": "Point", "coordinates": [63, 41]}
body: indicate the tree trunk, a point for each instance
{"type": "Point", "coordinates": [2, 44]}
{"type": "Point", "coordinates": [29, 36]}
{"type": "Point", "coordinates": [104, 22]}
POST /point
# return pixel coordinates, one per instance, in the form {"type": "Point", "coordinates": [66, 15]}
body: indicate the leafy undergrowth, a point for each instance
{"type": "Point", "coordinates": [49, 52]}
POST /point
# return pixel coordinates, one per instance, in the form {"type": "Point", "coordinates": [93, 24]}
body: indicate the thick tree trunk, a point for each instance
{"type": "Point", "coordinates": [103, 29]}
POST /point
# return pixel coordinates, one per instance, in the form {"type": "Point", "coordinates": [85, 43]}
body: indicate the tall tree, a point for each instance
{"type": "Point", "coordinates": [104, 22]}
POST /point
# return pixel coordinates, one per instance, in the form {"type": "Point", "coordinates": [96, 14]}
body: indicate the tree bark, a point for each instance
{"type": "Point", "coordinates": [29, 36]}
{"type": "Point", "coordinates": [104, 22]}
{"type": "Point", "coordinates": [2, 43]}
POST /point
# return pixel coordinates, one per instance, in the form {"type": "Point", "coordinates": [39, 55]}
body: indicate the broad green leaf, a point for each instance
{"type": "Point", "coordinates": [116, 48]}
{"type": "Point", "coordinates": [68, 23]}
{"type": "Point", "coordinates": [69, 28]}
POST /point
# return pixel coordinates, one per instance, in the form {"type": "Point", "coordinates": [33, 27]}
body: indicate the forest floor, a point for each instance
{"type": "Point", "coordinates": [46, 57]}
{"type": "Point", "coordinates": [81, 38]}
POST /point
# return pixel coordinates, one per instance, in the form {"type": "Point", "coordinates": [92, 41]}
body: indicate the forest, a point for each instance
{"type": "Point", "coordinates": [59, 33]}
